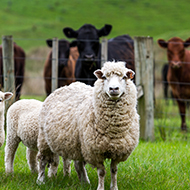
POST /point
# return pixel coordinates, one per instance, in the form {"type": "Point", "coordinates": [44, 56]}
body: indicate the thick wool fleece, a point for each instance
{"type": "Point", "coordinates": [22, 122]}
{"type": "Point", "coordinates": [80, 122]}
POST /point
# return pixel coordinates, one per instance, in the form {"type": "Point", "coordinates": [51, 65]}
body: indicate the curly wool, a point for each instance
{"type": "Point", "coordinates": [80, 122]}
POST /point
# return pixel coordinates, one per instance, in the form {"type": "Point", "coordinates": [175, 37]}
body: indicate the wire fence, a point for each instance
{"type": "Point", "coordinates": [167, 114]}
{"type": "Point", "coordinates": [165, 108]}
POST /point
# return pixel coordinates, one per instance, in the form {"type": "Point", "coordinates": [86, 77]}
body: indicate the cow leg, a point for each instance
{"type": "Point", "coordinates": [181, 105]}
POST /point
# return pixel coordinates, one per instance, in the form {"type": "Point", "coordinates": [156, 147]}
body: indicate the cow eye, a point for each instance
{"type": "Point", "coordinates": [80, 45]}
{"type": "Point", "coordinates": [182, 52]}
{"type": "Point", "coordinates": [170, 52]}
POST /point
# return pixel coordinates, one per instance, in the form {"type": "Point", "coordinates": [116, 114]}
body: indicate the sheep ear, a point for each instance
{"type": "Point", "coordinates": [8, 95]}
{"type": "Point", "coordinates": [98, 73]}
{"type": "Point", "coordinates": [130, 74]}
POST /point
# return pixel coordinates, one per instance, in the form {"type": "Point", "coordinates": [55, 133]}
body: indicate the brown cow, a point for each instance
{"type": "Point", "coordinates": [178, 73]}
{"type": "Point", "coordinates": [66, 65]}
{"type": "Point", "coordinates": [19, 66]}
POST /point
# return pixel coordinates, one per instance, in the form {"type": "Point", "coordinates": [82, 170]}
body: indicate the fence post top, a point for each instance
{"type": "Point", "coordinates": [7, 37]}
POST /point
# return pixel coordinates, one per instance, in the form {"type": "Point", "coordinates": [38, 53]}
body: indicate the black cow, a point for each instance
{"type": "Point", "coordinates": [119, 48]}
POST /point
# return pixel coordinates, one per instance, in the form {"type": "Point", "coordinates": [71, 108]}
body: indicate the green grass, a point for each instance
{"type": "Point", "coordinates": [161, 164]}
{"type": "Point", "coordinates": [157, 165]}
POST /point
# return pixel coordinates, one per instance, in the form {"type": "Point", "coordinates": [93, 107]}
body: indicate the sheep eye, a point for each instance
{"type": "Point", "coordinates": [104, 77]}
{"type": "Point", "coordinates": [124, 77]}
{"type": "Point", "coordinates": [1, 99]}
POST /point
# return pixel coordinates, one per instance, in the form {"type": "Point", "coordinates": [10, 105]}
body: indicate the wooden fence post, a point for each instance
{"type": "Point", "coordinates": [144, 64]}
{"type": "Point", "coordinates": [8, 68]}
{"type": "Point", "coordinates": [104, 51]}
{"type": "Point", "coordinates": [54, 79]}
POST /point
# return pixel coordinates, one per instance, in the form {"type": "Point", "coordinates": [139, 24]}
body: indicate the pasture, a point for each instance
{"type": "Point", "coordinates": [161, 164]}
{"type": "Point", "coordinates": [153, 165]}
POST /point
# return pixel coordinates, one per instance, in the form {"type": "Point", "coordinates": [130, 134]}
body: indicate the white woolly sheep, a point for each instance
{"type": "Point", "coordinates": [3, 97]}
{"type": "Point", "coordinates": [23, 125]}
{"type": "Point", "coordinates": [89, 124]}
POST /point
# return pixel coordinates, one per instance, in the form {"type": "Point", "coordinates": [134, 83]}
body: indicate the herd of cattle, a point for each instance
{"type": "Point", "coordinates": [80, 58]}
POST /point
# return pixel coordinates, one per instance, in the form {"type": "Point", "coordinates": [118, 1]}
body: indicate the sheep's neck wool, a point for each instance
{"type": "Point", "coordinates": [114, 118]}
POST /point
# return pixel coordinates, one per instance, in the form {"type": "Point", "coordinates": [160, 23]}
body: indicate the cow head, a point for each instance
{"type": "Point", "coordinates": [175, 50]}
{"type": "Point", "coordinates": [63, 51]}
{"type": "Point", "coordinates": [88, 40]}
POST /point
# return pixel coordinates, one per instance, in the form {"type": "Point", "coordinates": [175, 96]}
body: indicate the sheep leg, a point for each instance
{"type": "Point", "coordinates": [66, 167]}
{"type": "Point", "coordinates": [10, 150]}
{"type": "Point", "coordinates": [81, 171]}
{"type": "Point", "coordinates": [101, 175]}
{"type": "Point", "coordinates": [52, 171]}
{"type": "Point", "coordinates": [113, 169]}
{"type": "Point", "coordinates": [41, 173]}
{"type": "Point", "coordinates": [31, 159]}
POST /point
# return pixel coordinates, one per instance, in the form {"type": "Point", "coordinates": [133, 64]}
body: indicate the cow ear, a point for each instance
{"type": "Point", "coordinates": [105, 30]}
{"type": "Point", "coordinates": [130, 74]}
{"type": "Point", "coordinates": [73, 43]}
{"type": "Point", "coordinates": [187, 43]}
{"type": "Point", "coordinates": [49, 42]}
{"type": "Point", "coordinates": [162, 43]}
{"type": "Point", "coordinates": [98, 73]}
{"type": "Point", "coordinates": [70, 33]}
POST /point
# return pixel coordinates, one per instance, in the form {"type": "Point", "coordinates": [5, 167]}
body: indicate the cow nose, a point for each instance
{"type": "Point", "coordinates": [89, 56]}
{"type": "Point", "coordinates": [176, 64]}
{"type": "Point", "coordinates": [63, 62]}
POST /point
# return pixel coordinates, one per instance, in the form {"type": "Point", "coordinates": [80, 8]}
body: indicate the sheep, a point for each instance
{"type": "Point", "coordinates": [90, 124]}
{"type": "Point", "coordinates": [3, 97]}
{"type": "Point", "coordinates": [23, 125]}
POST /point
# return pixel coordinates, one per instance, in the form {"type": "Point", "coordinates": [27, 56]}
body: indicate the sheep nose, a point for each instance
{"type": "Point", "coordinates": [114, 89]}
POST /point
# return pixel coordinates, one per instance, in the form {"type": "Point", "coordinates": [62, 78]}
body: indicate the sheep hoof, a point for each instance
{"type": "Point", "coordinates": [40, 182]}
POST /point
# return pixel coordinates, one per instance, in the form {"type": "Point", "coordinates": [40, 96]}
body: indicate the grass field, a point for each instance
{"type": "Point", "coordinates": [158, 165]}
{"type": "Point", "coordinates": [161, 164]}
{"type": "Point", "coordinates": [31, 22]}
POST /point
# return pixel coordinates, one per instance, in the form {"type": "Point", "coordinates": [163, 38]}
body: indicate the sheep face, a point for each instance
{"type": "Point", "coordinates": [114, 82]}
{"type": "Point", "coordinates": [4, 96]}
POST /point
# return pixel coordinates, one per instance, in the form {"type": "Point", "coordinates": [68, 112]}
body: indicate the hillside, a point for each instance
{"type": "Point", "coordinates": [31, 22]}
